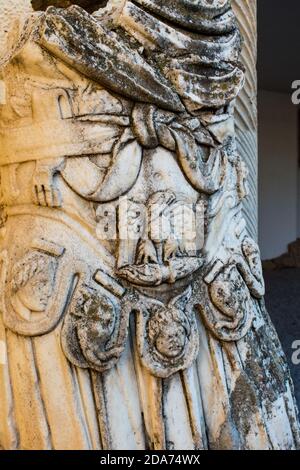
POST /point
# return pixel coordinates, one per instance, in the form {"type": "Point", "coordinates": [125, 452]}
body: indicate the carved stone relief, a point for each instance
{"type": "Point", "coordinates": [122, 226]}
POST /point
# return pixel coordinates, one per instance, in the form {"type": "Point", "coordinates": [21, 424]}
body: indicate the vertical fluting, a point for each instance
{"type": "Point", "coordinates": [246, 109]}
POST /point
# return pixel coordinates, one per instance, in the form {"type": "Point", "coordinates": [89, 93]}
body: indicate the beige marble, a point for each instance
{"type": "Point", "coordinates": [132, 313]}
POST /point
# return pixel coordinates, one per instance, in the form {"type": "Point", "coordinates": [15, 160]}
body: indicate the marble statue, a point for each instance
{"type": "Point", "coordinates": [131, 291]}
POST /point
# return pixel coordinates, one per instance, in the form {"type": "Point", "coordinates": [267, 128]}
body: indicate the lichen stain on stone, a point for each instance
{"type": "Point", "coordinates": [244, 403]}
{"type": "Point", "coordinates": [228, 438]}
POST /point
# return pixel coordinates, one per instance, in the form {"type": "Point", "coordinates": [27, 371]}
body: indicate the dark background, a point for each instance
{"type": "Point", "coordinates": [278, 44]}
{"type": "Point", "coordinates": [278, 67]}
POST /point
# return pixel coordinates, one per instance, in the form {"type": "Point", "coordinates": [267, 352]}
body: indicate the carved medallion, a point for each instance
{"type": "Point", "coordinates": [166, 334]}
{"type": "Point", "coordinates": [95, 329]}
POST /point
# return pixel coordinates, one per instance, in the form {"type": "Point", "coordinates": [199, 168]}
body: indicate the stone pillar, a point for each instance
{"type": "Point", "coordinates": [246, 108]}
{"type": "Point", "coordinates": [132, 313]}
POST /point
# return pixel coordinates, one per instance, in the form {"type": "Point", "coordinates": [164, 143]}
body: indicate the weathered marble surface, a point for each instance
{"type": "Point", "coordinates": [246, 108]}
{"type": "Point", "coordinates": [128, 325]}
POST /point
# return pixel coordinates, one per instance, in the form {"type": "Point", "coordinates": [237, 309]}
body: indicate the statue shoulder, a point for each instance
{"type": "Point", "coordinates": [20, 33]}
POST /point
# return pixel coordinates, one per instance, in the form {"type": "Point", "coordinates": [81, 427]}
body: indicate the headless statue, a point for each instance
{"type": "Point", "coordinates": [131, 293]}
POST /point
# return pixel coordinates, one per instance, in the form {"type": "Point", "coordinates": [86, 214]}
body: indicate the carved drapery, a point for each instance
{"type": "Point", "coordinates": [132, 294]}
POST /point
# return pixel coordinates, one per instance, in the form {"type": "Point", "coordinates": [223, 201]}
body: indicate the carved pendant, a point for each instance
{"type": "Point", "coordinates": [94, 330]}
{"type": "Point", "coordinates": [167, 335]}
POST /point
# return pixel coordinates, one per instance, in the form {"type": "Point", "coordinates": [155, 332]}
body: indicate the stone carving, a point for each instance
{"type": "Point", "coordinates": [234, 283]}
{"type": "Point", "coordinates": [32, 282]}
{"type": "Point", "coordinates": [125, 255]}
{"type": "Point", "coordinates": [166, 334]}
{"type": "Point", "coordinates": [95, 328]}
{"type": "Point", "coordinates": [30, 304]}
{"type": "Point", "coordinates": [162, 250]}
{"type": "Point", "coordinates": [246, 114]}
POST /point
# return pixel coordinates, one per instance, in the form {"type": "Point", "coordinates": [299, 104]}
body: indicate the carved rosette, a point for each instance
{"type": "Point", "coordinates": [121, 185]}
